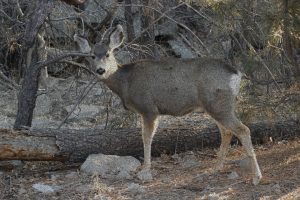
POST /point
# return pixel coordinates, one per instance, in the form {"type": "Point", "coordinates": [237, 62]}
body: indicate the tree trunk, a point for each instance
{"type": "Point", "coordinates": [76, 145]}
{"type": "Point", "coordinates": [129, 21]}
{"type": "Point", "coordinates": [28, 92]}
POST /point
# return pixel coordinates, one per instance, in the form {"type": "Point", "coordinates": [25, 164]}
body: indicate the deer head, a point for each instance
{"type": "Point", "coordinates": [104, 61]}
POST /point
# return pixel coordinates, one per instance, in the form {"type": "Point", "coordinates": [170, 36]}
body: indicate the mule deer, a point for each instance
{"type": "Point", "coordinates": [176, 87]}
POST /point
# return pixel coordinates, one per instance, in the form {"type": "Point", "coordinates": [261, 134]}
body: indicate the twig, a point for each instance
{"type": "Point", "coordinates": [79, 65]}
{"type": "Point", "coordinates": [85, 92]}
{"type": "Point", "coordinates": [7, 80]}
{"type": "Point", "coordinates": [8, 17]}
{"type": "Point", "coordinates": [58, 58]}
{"type": "Point", "coordinates": [107, 111]}
{"type": "Point", "coordinates": [7, 85]}
{"type": "Point", "coordinates": [170, 18]}
{"type": "Point", "coordinates": [19, 8]}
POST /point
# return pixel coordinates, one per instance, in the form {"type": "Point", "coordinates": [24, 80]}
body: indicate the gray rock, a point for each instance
{"type": "Point", "coordinates": [233, 175]}
{"type": "Point", "coordinates": [43, 188]}
{"type": "Point", "coordinates": [72, 175]}
{"type": "Point", "coordinates": [180, 48]}
{"type": "Point", "coordinates": [110, 165]}
{"type": "Point", "coordinates": [189, 160]}
{"type": "Point", "coordinates": [83, 188]}
{"type": "Point", "coordinates": [22, 191]}
{"type": "Point", "coordinates": [145, 175]}
{"type": "Point", "coordinates": [135, 188]}
{"type": "Point", "coordinates": [62, 27]}
{"type": "Point", "coordinates": [84, 112]}
{"type": "Point", "coordinates": [43, 105]}
{"type": "Point", "coordinates": [6, 122]}
{"type": "Point", "coordinates": [124, 175]}
{"type": "Point", "coordinates": [276, 188]}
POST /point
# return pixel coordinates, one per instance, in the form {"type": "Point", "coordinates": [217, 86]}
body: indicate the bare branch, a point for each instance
{"type": "Point", "coordinates": [19, 8]}
{"type": "Point", "coordinates": [8, 81]}
{"type": "Point", "coordinates": [85, 92]}
{"type": "Point", "coordinates": [58, 58]}
{"type": "Point", "coordinates": [79, 65]}
{"type": "Point", "coordinates": [170, 18]}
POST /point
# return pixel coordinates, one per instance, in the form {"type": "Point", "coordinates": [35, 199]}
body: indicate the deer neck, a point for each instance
{"type": "Point", "coordinates": [116, 81]}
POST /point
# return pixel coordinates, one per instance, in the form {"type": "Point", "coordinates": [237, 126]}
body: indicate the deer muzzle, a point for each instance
{"type": "Point", "coordinates": [100, 71]}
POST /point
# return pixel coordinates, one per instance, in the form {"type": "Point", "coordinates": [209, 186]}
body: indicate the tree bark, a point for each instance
{"type": "Point", "coordinates": [27, 95]}
{"type": "Point", "coordinates": [129, 21]}
{"type": "Point", "coordinates": [76, 145]}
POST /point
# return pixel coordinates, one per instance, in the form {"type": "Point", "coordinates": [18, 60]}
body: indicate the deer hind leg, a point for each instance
{"type": "Point", "coordinates": [148, 130]}
{"type": "Point", "coordinates": [226, 136]}
{"type": "Point", "coordinates": [242, 132]}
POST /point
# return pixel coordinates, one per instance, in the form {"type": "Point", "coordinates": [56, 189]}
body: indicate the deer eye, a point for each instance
{"type": "Point", "coordinates": [107, 55]}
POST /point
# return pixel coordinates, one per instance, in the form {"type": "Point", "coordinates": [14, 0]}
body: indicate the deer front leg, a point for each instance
{"type": "Point", "coordinates": [226, 136]}
{"type": "Point", "coordinates": [148, 130]}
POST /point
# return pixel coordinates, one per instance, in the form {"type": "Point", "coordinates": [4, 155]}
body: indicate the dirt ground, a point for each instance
{"type": "Point", "coordinates": [183, 176]}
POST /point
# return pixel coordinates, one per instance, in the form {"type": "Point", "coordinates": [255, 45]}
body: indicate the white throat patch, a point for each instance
{"type": "Point", "coordinates": [234, 83]}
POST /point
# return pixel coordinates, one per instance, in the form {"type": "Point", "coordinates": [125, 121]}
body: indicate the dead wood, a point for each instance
{"type": "Point", "coordinates": [76, 145]}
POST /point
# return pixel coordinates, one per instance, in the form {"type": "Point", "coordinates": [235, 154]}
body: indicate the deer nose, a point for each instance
{"type": "Point", "coordinates": [100, 71]}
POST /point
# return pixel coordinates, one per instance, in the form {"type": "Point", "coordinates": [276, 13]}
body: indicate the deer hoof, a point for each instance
{"type": "Point", "coordinates": [256, 179]}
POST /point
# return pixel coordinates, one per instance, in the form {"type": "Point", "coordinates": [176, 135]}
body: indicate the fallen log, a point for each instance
{"type": "Point", "coordinates": [76, 145]}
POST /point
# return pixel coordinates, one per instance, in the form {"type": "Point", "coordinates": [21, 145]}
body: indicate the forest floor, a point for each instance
{"type": "Point", "coordinates": [183, 176]}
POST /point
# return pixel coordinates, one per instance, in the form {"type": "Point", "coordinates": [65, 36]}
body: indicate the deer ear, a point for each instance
{"type": "Point", "coordinates": [82, 44]}
{"type": "Point", "coordinates": [116, 38]}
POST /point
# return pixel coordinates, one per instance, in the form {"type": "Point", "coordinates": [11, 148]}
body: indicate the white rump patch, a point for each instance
{"type": "Point", "coordinates": [234, 83]}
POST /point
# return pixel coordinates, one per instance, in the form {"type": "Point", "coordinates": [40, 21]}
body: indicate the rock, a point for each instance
{"type": "Point", "coordinates": [135, 188]}
{"type": "Point", "coordinates": [54, 177]}
{"type": "Point", "coordinates": [66, 28]}
{"type": "Point", "coordinates": [83, 188]}
{"type": "Point", "coordinates": [233, 175]}
{"type": "Point", "coordinates": [180, 48]}
{"type": "Point", "coordinates": [189, 160]}
{"type": "Point", "coordinates": [124, 175]}
{"type": "Point", "coordinates": [110, 165]}
{"type": "Point", "coordinates": [276, 188]}
{"type": "Point", "coordinates": [72, 175]}
{"type": "Point", "coordinates": [21, 191]}
{"type": "Point", "coordinates": [43, 188]}
{"type": "Point", "coordinates": [6, 122]}
{"type": "Point", "coordinates": [43, 105]}
{"type": "Point", "coordinates": [190, 163]}
{"type": "Point", "coordinates": [145, 175]}
{"type": "Point", "coordinates": [84, 112]}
